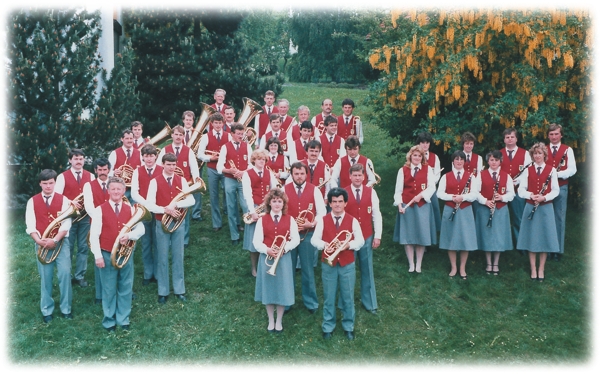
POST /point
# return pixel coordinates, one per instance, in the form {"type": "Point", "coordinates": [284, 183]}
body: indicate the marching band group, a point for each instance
{"type": "Point", "coordinates": [304, 189]}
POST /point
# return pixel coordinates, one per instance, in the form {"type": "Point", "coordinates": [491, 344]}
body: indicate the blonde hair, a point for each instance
{"type": "Point", "coordinates": [539, 146]}
{"type": "Point", "coordinates": [258, 153]}
{"type": "Point", "coordinates": [413, 149]}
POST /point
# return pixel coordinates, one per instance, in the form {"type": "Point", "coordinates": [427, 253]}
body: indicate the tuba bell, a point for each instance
{"type": "Point", "coordinates": [251, 110]}
{"type": "Point", "coordinates": [82, 211]}
{"type": "Point", "coordinates": [121, 253]}
{"type": "Point", "coordinates": [194, 142]}
{"type": "Point", "coordinates": [170, 223]}
{"type": "Point", "coordinates": [335, 247]}
{"type": "Point", "coordinates": [162, 135]}
{"type": "Point", "coordinates": [279, 243]}
{"type": "Point", "coordinates": [45, 255]}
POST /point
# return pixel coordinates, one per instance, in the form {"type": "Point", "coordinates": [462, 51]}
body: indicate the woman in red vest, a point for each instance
{"type": "Point", "coordinates": [275, 280]}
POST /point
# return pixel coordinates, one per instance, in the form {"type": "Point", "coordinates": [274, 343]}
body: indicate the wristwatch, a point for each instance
{"type": "Point", "coordinates": [55, 241]}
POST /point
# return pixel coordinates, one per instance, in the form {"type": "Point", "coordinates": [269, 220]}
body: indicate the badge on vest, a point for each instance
{"type": "Point", "coordinates": [284, 146]}
{"type": "Point", "coordinates": [320, 181]}
{"type": "Point", "coordinates": [338, 151]}
{"type": "Point", "coordinates": [185, 164]}
{"type": "Point", "coordinates": [423, 186]}
{"type": "Point", "coordinates": [521, 167]}
{"type": "Point", "coordinates": [503, 190]}
{"type": "Point", "coordinates": [245, 157]}
{"type": "Point", "coordinates": [351, 131]}
{"type": "Point", "coordinates": [369, 210]}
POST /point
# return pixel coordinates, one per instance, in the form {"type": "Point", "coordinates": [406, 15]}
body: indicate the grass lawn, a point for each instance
{"type": "Point", "coordinates": [422, 319]}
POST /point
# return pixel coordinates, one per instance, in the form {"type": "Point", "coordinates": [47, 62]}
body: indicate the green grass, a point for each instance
{"type": "Point", "coordinates": [423, 318]}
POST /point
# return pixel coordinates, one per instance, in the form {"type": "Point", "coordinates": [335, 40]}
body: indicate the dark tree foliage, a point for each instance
{"type": "Point", "coordinates": [183, 55]}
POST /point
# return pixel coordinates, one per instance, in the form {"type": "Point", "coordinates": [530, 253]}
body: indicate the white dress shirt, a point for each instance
{"type": "Point", "coordinates": [31, 222]}
{"type": "Point", "coordinates": [354, 245]}
{"type": "Point", "coordinates": [426, 193]}
{"type": "Point", "coordinates": [259, 235]}
{"type": "Point", "coordinates": [554, 190]}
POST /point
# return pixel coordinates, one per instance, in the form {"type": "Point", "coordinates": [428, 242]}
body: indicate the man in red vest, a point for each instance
{"type": "Point", "coordinates": [332, 146]}
{"type": "Point", "coordinates": [117, 284]}
{"type": "Point", "coordinates": [340, 175]}
{"type": "Point", "coordinates": [338, 225]}
{"type": "Point", "coordinates": [363, 204]}
{"type": "Point", "coordinates": [196, 212]}
{"type": "Point", "coordinates": [558, 152]}
{"type": "Point", "coordinates": [349, 124]}
{"type": "Point", "coordinates": [276, 131]}
{"type": "Point", "coordinates": [126, 154]}
{"type": "Point", "coordinates": [318, 121]}
{"type": "Point", "coordinates": [41, 210]}
{"type": "Point", "coordinates": [140, 182]}
{"type": "Point", "coordinates": [219, 104]}
{"type": "Point", "coordinates": [160, 199]}
{"type": "Point", "coordinates": [297, 148]}
{"type": "Point", "coordinates": [138, 139]}
{"type": "Point", "coordinates": [303, 114]}
{"type": "Point", "coordinates": [229, 117]}
{"type": "Point", "coordinates": [70, 184]}
{"type": "Point", "coordinates": [261, 121]}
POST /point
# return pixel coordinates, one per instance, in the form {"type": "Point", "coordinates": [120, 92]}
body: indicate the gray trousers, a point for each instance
{"type": "Point", "coordinates": [307, 258]}
{"type": "Point", "coordinates": [368, 295]}
{"type": "Point", "coordinates": [174, 243]}
{"type": "Point", "coordinates": [149, 257]}
{"type": "Point", "coordinates": [214, 180]}
{"type": "Point", "coordinates": [117, 286]}
{"type": "Point", "coordinates": [560, 215]}
{"type": "Point", "coordinates": [63, 272]}
{"type": "Point", "coordinates": [235, 194]}
{"type": "Point", "coordinates": [78, 234]}
{"type": "Point", "coordinates": [345, 278]}
{"type": "Point", "coordinates": [516, 207]}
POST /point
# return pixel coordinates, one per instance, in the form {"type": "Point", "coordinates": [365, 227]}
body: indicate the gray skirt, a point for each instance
{"type": "Point", "coordinates": [416, 226]}
{"type": "Point", "coordinates": [435, 205]}
{"type": "Point", "coordinates": [496, 238]}
{"type": "Point", "coordinates": [278, 289]}
{"type": "Point", "coordinates": [539, 233]}
{"type": "Point", "coordinates": [248, 237]}
{"type": "Point", "coordinates": [458, 234]}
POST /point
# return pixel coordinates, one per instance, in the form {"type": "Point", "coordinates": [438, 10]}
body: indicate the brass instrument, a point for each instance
{"type": "Point", "coordinates": [126, 173]}
{"type": "Point", "coordinates": [464, 191]}
{"type": "Point", "coordinates": [355, 121]}
{"type": "Point", "coordinates": [274, 175]}
{"type": "Point", "coordinates": [162, 135]}
{"type": "Point", "coordinates": [45, 255]}
{"type": "Point", "coordinates": [261, 210]}
{"type": "Point", "coordinates": [251, 109]}
{"type": "Point", "coordinates": [326, 178]}
{"type": "Point", "coordinates": [279, 245]}
{"type": "Point", "coordinates": [208, 153]}
{"type": "Point", "coordinates": [493, 208]}
{"type": "Point", "coordinates": [319, 129]}
{"type": "Point", "coordinates": [170, 223]}
{"type": "Point", "coordinates": [121, 253]}
{"type": "Point", "coordinates": [232, 166]}
{"type": "Point", "coordinates": [82, 213]}
{"type": "Point", "coordinates": [194, 142]}
{"type": "Point", "coordinates": [335, 247]}
{"type": "Point", "coordinates": [377, 177]}
{"type": "Point", "coordinates": [303, 216]}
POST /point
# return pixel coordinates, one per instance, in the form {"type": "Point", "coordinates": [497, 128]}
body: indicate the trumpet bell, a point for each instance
{"type": "Point", "coordinates": [201, 124]}
{"type": "Point", "coordinates": [162, 135]}
{"type": "Point", "coordinates": [251, 110]}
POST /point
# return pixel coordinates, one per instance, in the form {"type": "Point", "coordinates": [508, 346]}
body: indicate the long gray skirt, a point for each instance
{"type": "Point", "coordinates": [458, 234]}
{"type": "Point", "coordinates": [278, 289]}
{"type": "Point", "coordinates": [539, 233]}
{"type": "Point", "coordinates": [248, 237]}
{"type": "Point", "coordinates": [496, 238]}
{"type": "Point", "coordinates": [416, 226]}
{"type": "Point", "coordinates": [435, 205]}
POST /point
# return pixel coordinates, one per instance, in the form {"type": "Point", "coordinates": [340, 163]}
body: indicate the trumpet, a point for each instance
{"type": "Point", "coordinates": [121, 253]}
{"type": "Point", "coordinates": [377, 177]}
{"type": "Point", "coordinates": [126, 173]}
{"type": "Point", "coordinates": [279, 245]}
{"type": "Point", "coordinates": [335, 247]}
{"type": "Point", "coordinates": [326, 179]}
{"type": "Point", "coordinates": [194, 142]}
{"type": "Point", "coordinates": [303, 216]}
{"type": "Point", "coordinates": [232, 166]}
{"type": "Point", "coordinates": [82, 213]}
{"type": "Point", "coordinates": [45, 255]}
{"type": "Point", "coordinates": [261, 210]}
{"type": "Point", "coordinates": [170, 223]}
{"type": "Point", "coordinates": [251, 109]}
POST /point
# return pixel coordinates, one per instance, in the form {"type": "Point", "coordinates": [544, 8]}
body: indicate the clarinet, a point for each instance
{"type": "Point", "coordinates": [465, 191]}
{"type": "Point", "coordinates": [493, 208]}
{"type": "Point", "coordinates": [537, 203]}
{"type": "Point", "coordinates": [522, 170]}
{"type": "Point", "coordinates": [562, 161]}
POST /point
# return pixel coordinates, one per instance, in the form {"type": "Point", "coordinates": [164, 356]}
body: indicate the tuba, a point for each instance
{"type": "Point", "coordinates": [335, 247]}
{"type": "Point", "coordinates": [121, 253]}
{"type": "Point", "coordinates": [279, 245]}
{"type": "Point", "coordinates": [45, 255]}
{"type": "Point", "coordinates": [82, 212]}
{"type": "Point", "coordinates": [170, 223]}
{"type": "Point", "coordinates": [261, 210]}
{"type": "Point", "coordinates": [251, 109]}
{"type": "Point", "coordinates": [162, 135]}
{"type": "Point", "coordinates": [194, 142]}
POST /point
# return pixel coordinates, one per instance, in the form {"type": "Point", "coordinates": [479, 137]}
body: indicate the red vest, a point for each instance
{"type": "Point", "coordinates": [345, 170]}
{"type": "Point", "coordinates": [345, 257]}
{"type": "Point", "coordinates": [285, 124]}
{"type": "Point", "coordinates": [453, 187]}
{"type": "Point", "coordinates": [518, 162]}
{"type": "Point", "coordinates": [535, 182]}
{"type": "Point", "coordinates": [415, 185]}
{"type": "Point", "coordinates": [100, 197]}
{"type": "Point", "coordinates": [215, 145]}
{"type": "Point", "coordinates": [300, 151]}
{"type": "Point", "coordinates": [112, 224]}
{"type": "Point", "coordinates": [431, 159]}
{"type": "Point", "coordinates": [282, 139]}
{"type": "Point", "coordinates": [183, 160]}
{"type": "Point", "coordinates": [330, 152]}
{"type": "Point", "coordinates": [305, 202]}
{"type": "Point", "coordinates": [45, 215]}
{"type": "Point", "coordinates": [319, 119]}
{"type": "Point", "coordinates": [555, 160]}
{"type": "Point", "coordinates": [487, 186]}
{"type": "Point", "coordinates": [72, 188]}
{"type": "Point", "coordinates": [263, 120]}
{"type": "Point", "coordinates": [295, 130]}
{"type": "Point", "coordinates": [144, 179]}
{"type": "Point", "coordinates": [344, 131]}
{"type": "Point", "coordinates": [135, 159]}
{"type": "Point", "coordinates": [278, 165]}
{"type": "Point", "coordinates": [164, 193]}
{"type": "Point", "coordinates": [260, 186]}
{"type": "Point", "coordinates": [223, 107]}
{"type": "Point", "coordinates": [363, 212]}
{"type": "Point", "coordinates": [240, 158]}
{"type": "Point", "coordinates": [271, 230]}
{"type": "Point", "coordinates": [471, 166]}
{"type": "Point", "coordinates": [318, 175]}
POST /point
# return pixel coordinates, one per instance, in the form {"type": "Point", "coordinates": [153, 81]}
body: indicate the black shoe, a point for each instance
{"type": "Point", "coordinates": [125, 327]}
{"type": "Point", "coordinates": [557, 257]}
{"type": "Point", "coordinates": [162, 299]}
{"type": "Point", "coordinates": [287, 310]}
{"type": "Point", "coordinates": [240, 228]}
{"type": "Point", "coordinates": [272, 331]}
{"type": "Point", "coordinates": [373, 311]}
{"type": "Point", "coordinates": [68, 315]}
{"type": "Point", "coordinates": [215, 229]}
{"type": "Point", "coordinates": [534, 278]}
{"type": "Point", "coordinates": [278, 331]}
{"type": "Point", "coordinates": [110, 329]}
{"type": "Point", "coordinates": [349, 335]}
{"type": "Point", "coordinates": [98, 301]}
{"type": "Point", "coordinates": [47, 318]}
{"type": "Point", "coordinates": [133, 296]}
{"type": "Point", "coordinates": [312, 311]}
{"type": "Point", "coordinates": [181, 297]}
{"type": "Point", "coordinates": [145, 282]}
{"type": "Point", "coordinates": [327, 335]}
{"type": "Point", "coordinates": [540, 279]}
{"type": "Point", "coordinates": [197, 219]}
{"type": "Point", "coordinates": [81, 282]}
{"type": "Point", "coordinates": [235, 241]}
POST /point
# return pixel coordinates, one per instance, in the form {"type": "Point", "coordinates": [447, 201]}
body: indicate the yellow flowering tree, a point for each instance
{"type": "Point", "coordinates": [451, 71]}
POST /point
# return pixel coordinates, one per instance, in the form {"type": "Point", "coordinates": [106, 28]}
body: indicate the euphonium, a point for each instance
{"type": "Point", "coordinates": [82, 212]}
{"type": "Point", "coordinates": [170, 223]}
{"type": "Point", "coordinates": [121, 253]}
{"type": "Point", "coordinates": [335, 247]}
{"type": "Point", "coordinates": [320, 128]}
{"type": "Point", "coordinates": [126, 173]}
{"type": "Point", "coordinates": [261, 210]}
{"type": "Point", "coordinates": [251, 109]}
{"type": "Point", "coordinates": [194, 142]}
{"type": "Point", "coordinates": [279, 245]}
{"type": "Point", "coordinates": [45, 255]}
{"type": "Point", "coordinates": [377, 177]}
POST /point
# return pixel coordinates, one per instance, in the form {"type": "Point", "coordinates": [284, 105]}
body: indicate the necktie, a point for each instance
{"type": "Point", "coordinates": [47, 201]}
{"type": "Point", "coordinates": [494, 177]}
{"type": "Point", "coordinates": [219, 108]}
{"type": "Point", "coordinates": [539, 170]}
{"type": "Point", "coordinates": [555, 149]}
{"type": "Point", "coordinates": [299, 187]}
{"type": "Point", "coordinates": [304, 144]}
{"type": "Point", "coordinates": [169, 181]}
{"type": "Point", "coordinates": [272, 158]}
{"type": "Point", "coordinates": [78, 177]}
{"type": "Point", "coordinates": [150, 172]}
{"type": "Point", "coordinates": [312, 170]}
{"type": "Point", "coordinates": [136, 143]}
{"type": "Point", "coordinates": [237, 146]}
{"type": "Point", "coordinates": [353, 160]}
{"type": "Point", "coordinates": [458, 177]}
{"type": "Point", "coordinates": [219, 137]}
{"type": "Point", "coordinates": [276, 218]}
{"type": "Point", "coordinates": [177, 151]}
{"type": "Point", "coordinates": [268, 111]}
{"type": "Point", "coordinates": [331, 140]}
{"type": "Point", "coordinates": [104, 187]}
{"type": "Point", "coordinates": [128, 154]}
{"type": "Point", "coordinates": [468, 158]}
{"type": "Point", "coordinates": [347, 119]}
{"type": "Point", "coordinates": [358, 195]}
{"type": "Point", "coordinates": [117, 209]}
{"type": "Point", "coordinates": [415, 173]}
{"type": "Point", "coordinates": [337, 222]}
{"type": "Point", "coordinates": [260, 174]}
{"type": "Point", "coordinates": [510, 154]}
{"type": "Point", "coordinates": [187, 136]}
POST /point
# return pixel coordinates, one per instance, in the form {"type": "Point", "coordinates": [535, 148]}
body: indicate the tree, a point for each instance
{"type": "Point", "coordinates": [183, 55]}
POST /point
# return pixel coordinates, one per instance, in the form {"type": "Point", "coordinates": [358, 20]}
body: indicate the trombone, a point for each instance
{"type": "Point", "coordinates": [377, 177]}
{"type": "Point", "coordinates": [279, 245]}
